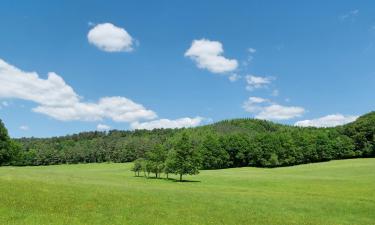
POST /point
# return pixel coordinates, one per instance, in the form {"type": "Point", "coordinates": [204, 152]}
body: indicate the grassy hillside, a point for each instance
{"type": "Point", "coordinates": [336, 192]}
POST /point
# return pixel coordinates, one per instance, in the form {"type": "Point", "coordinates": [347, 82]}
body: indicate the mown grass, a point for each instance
{"type": "Point", "coordinates": [337, 192]}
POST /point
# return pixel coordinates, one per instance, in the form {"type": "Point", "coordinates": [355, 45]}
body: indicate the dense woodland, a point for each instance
{"type": "Point", "coordinates": [230, 143]}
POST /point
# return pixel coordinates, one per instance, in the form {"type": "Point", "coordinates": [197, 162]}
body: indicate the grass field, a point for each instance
{"type": "Point", "coordinates": [337, 192]}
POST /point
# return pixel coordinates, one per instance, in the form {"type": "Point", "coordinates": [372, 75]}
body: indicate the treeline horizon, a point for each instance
{"type": "Point", "coordinates": [225, 144]}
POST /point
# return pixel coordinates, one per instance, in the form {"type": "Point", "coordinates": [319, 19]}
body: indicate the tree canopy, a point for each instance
{"type": "Point", "coordinates": [229, 143]}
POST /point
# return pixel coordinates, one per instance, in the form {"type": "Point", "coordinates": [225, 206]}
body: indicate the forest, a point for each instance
{"type": "Point", "coordinates": [225, 144]}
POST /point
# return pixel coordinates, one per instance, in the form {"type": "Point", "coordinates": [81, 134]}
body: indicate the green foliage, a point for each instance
{"type": "Point", "coordinates": [184, 158]}
{"type": "Point", "coordinates": [9, 150]}
{"type": "Point", "coordinates": [229, 143]}
{"type": "Point", "coordinates": [138, 166]}
{"type": "Point", "coordinates": [156, 159]}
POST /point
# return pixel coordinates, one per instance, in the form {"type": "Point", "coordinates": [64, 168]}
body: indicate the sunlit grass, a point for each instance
{"type": "Point", "coordinates": [337, 192]}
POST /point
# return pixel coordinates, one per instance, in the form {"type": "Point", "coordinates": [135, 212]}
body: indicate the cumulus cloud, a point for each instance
{"type": "Point", "coordinates": [58, 100]}
{"type": "Point", "coordinates": [119, 109]}
{"type": "Point", "coordinates": [268, 110]}
{"type": "Point", "coordinates": [327, 121]}
{"type": "Point", "coordinates": [28, 86]}
{"type": "Point", "coordinates": [166, 123]}
{"type": "Point", "coordinates": [255, 82]}
{"type": "Point", "coordinates": [208, 55]}
{"type": "Point", "coordinates": [110, 38]}
{"type": "Point", "coordinates": [102, 127]}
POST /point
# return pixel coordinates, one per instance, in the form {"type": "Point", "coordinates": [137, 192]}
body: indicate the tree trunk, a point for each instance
{"type": "Point", "coordinates": [138, 173]}
{"type": "Point", "coordinates": [167, 175]}
{"type": "Point", "coordinates": [180, 177]}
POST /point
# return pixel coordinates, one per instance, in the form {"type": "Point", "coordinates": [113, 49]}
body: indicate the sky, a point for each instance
{"type": "Point", "coordinates": [72, 66]}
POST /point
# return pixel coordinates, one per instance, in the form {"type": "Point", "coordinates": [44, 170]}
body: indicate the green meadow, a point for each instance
{"type": "Point", "coordinates": [336, 192]}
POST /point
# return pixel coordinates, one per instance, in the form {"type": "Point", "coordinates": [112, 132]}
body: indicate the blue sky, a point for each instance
{"type": "Point", "coordinates": [170, 64]}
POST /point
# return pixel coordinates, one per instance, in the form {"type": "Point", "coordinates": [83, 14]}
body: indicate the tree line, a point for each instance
{"type": "Point", "coordinates": [229, 143]}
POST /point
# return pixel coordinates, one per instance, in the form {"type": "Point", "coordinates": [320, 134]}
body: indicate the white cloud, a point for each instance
{"type": "Point", "coordinates": [119, 109]}
{"type": "Point", "coordinates": [58, 100]}
{"type": "Point", "coordinates": [250, 56]}
{"type": "Point", "coordinates": [350, 15]}
{"type": "Point", "coordinates": [255, 82]}
{"type": "Point", "coordinates": [327, 121]}
{"type": "Point", "coordinates": [102, 127]}
{"type": "Point", "coordinates": [166, 123]}
{"type": "Point", "coordinates": [266, 109]}
{"type": "Point", "coordinates": [110, 38]}
{"type": "Point", "coordinates": [234, 77]}
{"type": "Point", "coordinates": [208, 55]}
{"type": "Point", "coordinates": [28, 86]}
{"type": "Point", "coordinates": [24, 128]}
{"type": "Point", "coordinates": [280, 112]}
{"type": "Point", "coordinates": [251, 50]}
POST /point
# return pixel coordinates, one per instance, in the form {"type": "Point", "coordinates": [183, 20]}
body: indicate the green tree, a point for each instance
{"type": "Point", "coordinates": [9, 150]}
{"type": "Point", "coordinates": [137, 166]}
{"type": "Point", "coordinates": [185, 159]}
{"type": "Point", "coordinates": [156, 157]}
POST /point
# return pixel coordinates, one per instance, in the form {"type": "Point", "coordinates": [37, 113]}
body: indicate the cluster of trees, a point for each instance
{"type": "Point", "coordinates": [182, 159]}
{"type": "Point", "coordinates": [230, 143]}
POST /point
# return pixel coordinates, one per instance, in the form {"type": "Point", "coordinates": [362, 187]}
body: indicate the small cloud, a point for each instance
{"type": "Point", "coordinates": [327, 121]}
{"type": "Point", "coordinates": [268, 110]}
{"type": "Point", "coordinates": [102, 127]}
{"type": "Point", "coordinates": [110, 38]}
{"type": "Point", "coordinates": [250, 56]}
{"type": "Point", "coordinates": [349, 15]}
{"type": "Point", "coordinates": [167, 123]}
{"type": "Point", "coordinates": [209, 55]}
{"type": "Point", "coordinates": [256, 82]}
{"type": "Point", "coordinates": [24, 128]}
{"type": "Point", "coordinates": [251, 50]}
{"type": "Point", "coordinates": [234, 77]}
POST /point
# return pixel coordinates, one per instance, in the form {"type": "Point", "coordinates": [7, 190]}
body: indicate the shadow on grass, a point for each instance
{"type": "Point", "coordinates": [169, 179]}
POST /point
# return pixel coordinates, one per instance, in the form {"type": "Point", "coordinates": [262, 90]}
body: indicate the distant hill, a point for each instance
{"type": "Point", "coordinates": [228, 143]}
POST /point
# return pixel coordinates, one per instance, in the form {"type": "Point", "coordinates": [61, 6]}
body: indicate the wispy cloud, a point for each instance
{"type": "Point", "coordinates": [255, 82]}
{"type": "Point", "coordinates": [349, 16]}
